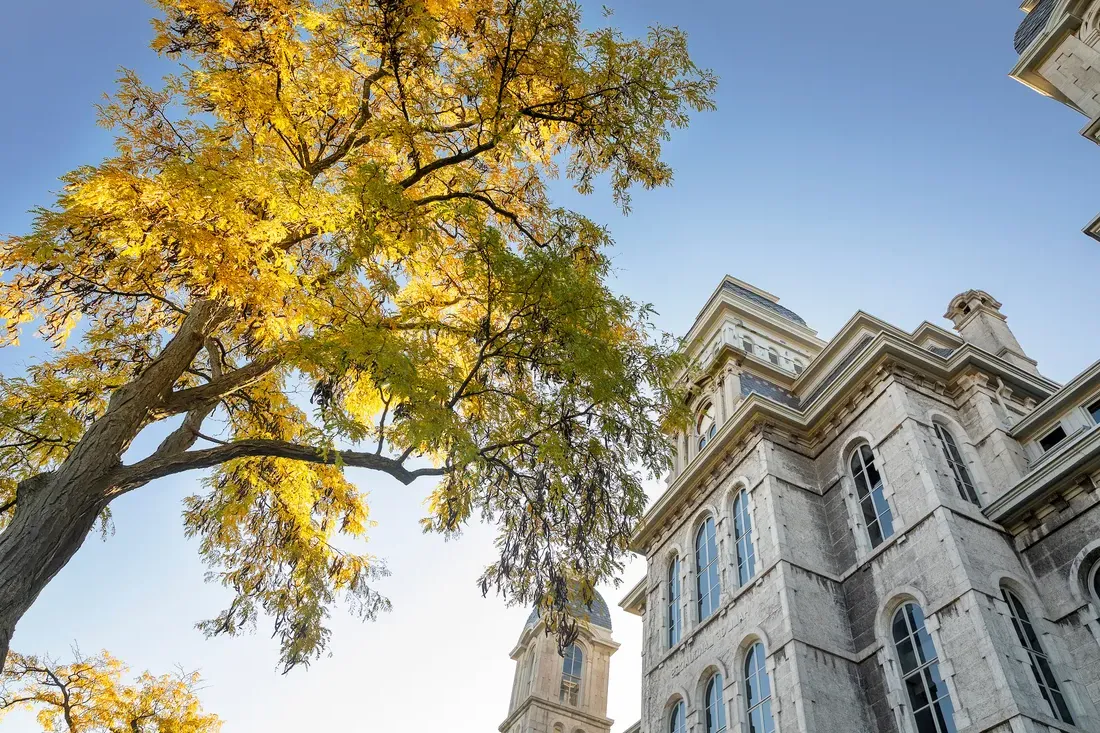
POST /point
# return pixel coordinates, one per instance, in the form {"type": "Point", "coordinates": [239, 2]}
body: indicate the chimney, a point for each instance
{"type": "Point", "coordinates": [978, 319]}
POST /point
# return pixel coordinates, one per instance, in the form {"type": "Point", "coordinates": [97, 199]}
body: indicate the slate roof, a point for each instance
{"type": "Point", "coordinates": [851, 356]}
{"type": "Point", "coordinates": [763, 302]}
{"type": "Point", "coordinates": [751, 383]}
{"type": "Point", "coordinates": [597, 613]}
{"type": "Point", "coordinates": [1033, 24]}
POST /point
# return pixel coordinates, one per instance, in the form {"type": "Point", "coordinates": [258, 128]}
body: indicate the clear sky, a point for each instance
{"type": "Point", "coordinates": [865, 155]}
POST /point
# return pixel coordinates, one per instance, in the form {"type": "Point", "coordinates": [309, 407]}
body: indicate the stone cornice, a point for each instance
{"type": "Point", "coordinates": [566, 710]}
{"type": "Point", "coordinates": [634, 601]}
{"type": "Point", "coordinates": [1074, 390]}
{"type": "Point", "coordinates": [1066, 462]}
{"type": "Point", "coordinates": [890, 345]}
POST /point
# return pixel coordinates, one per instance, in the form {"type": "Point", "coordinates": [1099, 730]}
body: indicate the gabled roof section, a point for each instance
{"type": "Point", "coordinates": [761, 298]}
{"type": "Point", "coordinates": [1058, 403]}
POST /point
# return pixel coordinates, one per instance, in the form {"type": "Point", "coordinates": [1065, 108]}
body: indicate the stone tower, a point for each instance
{"type": "Point", "coordinates": [978, 319]}
{"type": "Point", "coordinates": [552, 693]}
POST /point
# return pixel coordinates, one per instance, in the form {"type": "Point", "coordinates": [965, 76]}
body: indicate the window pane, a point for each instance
{"type": "Point", "coordinates": [906, 656]}
{"type": "Point", "coordinates": [925, 722]}
{"type": "Point", "coordinates": [917, 695]}
{"type": "Point", "coordinates": [1094, 410]}
{"type": "Point", "coordinates": [1052, 438]}
{"type": "Point", "coordinates": [869, 460]}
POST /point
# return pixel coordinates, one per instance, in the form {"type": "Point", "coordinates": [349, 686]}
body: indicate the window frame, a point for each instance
{"type": "Point", "coordinates": [926, 671]}
{"type": "Point", "coordinates": [764, 705]}
{"type": "Point", "coordinates": [1093, 582]}
{"type": "Point", "coordinates": [871, 493]}
{"type": "Point", "coordinates": [1042, 667]}
{"type": "Point", "coordinates": [1093, 410]}
{"type": "Point", "coordinates": [677, 719]}
{"type": "Point", "coordinates": [714, 706]}
{"type": "Point", "coordinates": [573, 680]}
{"type": "Point", "coordinates": [675, 619]}
{"type": "Point", "coordinates": [1044, 449]}
{"type": "Point", "coordinates": [741, 513]}
{"type": "Point", "coordinates": [702, 572]}
{"type": "Point", "coordinates": [704, 436]}
{"type": "Point", "coordinates": [964, 481]}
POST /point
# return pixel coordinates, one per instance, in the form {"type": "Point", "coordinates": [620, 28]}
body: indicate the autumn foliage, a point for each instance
{"type": "Point", "coordinates": [328, 242]}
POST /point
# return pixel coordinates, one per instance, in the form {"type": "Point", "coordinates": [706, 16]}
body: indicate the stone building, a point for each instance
{"type": "Point", "coordinates": [1059, 47]}
{"type": "Point", "coordinates": [555, 693]}
{"type": "Point", "coordinates": [886, 532]}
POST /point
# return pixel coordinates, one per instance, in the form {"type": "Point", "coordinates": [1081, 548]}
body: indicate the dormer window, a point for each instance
{"type": "Point", "coordinates": [798, 367]}
{"type": "Point", "coordinates": [773, 356]}
{"type": "Point", "coordinates": [1094, 410]}
{"type": "Point", "coordinates": [748, 345]}
{"type": "Point", "coordinates": [1053, 438]}
{"type": "Point", "coordinates": [705, 426]}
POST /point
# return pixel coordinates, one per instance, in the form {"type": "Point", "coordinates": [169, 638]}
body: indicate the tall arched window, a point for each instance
{"type": "Point", "coordinates": [798, 367]}
{"type": "Point", "coordinates": [705, 426]}
{"type": "Point", "coordinates": [872, 500]}
{"type": "Point", "coordinates": [571, 668]}
{"type": "Point", "coordinates": [742, 536]}
{"type": "Point", "coordinates": [748, 345]}
{"type": "Point", "coordinates": [1094, 582]}
{"type": "Point", "coordinates": [773, 355]}
{"type": "Point", "coordinates": [706, 562]}
{"type": "Point", "coordinates": [758, 692]}
{"type": "Point", "coordinates": [716, 709]}
{"type": "Point", "coordinates": [675, 618]}
{"type": "Point", "coordinates": [920, 670]}
{"type": "Point", "coordinates": [1037, 656]}
{"type": "Point", "coordinates": [957, 464]}
{"type": "Point", "coordinates": [677, 719]}
{"type": "Point", "coordinates": [531, 671]}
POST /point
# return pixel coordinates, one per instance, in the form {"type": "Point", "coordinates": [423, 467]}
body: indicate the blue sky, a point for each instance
{"type": "Point", "coordinates": [865, 155]}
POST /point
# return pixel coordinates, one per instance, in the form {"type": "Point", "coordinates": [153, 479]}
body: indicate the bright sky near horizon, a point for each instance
{"type": "Point", "coordinates": [866, 155]}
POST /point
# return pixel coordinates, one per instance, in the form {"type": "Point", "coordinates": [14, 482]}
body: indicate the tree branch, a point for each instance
{"type": "Point", "coordinates": [218, 387]}
{"type": "Point", "coordinates": [157, 466]}
{"type": "Point", "coordinates": [455, 159]}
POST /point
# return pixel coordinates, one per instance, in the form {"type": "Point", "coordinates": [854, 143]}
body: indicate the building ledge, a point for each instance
{"type": "Point", "coordinates": [1080, 453]}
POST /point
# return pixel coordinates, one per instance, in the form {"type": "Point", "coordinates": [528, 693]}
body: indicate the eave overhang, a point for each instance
{"type": "Point", "coordinates": [1048, 411]}
{"type": "Point", "coordinates": [634, 601]}
{"type": "Point", "coordinates": [1026, 70]}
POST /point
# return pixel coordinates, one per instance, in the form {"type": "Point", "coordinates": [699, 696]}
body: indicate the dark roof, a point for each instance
{"type": "Point", "coordinates": [751, 383]}
{"type": "Point", "coordinates": [596, 613]}
{"type": "Point", "coordinates": [760, 300]}
{"type": "Point", "coordinates": [941, 350]}
{"type": "Point", "coordinates": [1033, 24]}
{"type": "Point", "coordinates": [851, 356]}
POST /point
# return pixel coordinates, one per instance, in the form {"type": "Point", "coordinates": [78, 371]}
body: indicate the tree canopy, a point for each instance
{"type": "Point", "coordinates": [327, 241]}
{"type": "Point", "coordinates": [90, 695]}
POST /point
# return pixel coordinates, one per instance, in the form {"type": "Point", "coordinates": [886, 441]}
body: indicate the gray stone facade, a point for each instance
{"type": "Point", "coordinates": [825, 596]}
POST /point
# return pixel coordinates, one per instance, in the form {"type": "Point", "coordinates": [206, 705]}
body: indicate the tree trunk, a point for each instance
{"type": "Point", "coordinates": [48, 527]}
{"type": "Point", "coordinates": [55, 511]}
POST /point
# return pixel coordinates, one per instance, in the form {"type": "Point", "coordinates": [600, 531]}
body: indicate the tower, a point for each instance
{"type": "Point", "coordinates": [978, 319]}
{"type": "Point", "coordinates": [552, 693]}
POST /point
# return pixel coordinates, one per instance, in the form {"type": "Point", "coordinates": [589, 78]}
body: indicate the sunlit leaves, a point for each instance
{"type": "Point", "coordinates": [359, 189]}
{"type": "Point", "coordinates": [91, 695]}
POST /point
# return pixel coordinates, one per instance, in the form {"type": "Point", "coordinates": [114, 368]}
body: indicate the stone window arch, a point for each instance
{"type": "Point", "coordinates": [706, 426]}
{"type": "Point", "coordinates": [919, 667]}
{"type": "Point", "coordinates": [572, 674]}
{"type": "Point", "coordinates": [864, 470]}
{"type": "Point", "coordinates": [744, 552]}
{"type": "Point", "coordinates": [758, 690]}
{"type": "Point", "coordinates": [674, 609]}
{"type": "Point", "coordinates": [1038, 659]}
{"type": "Point", "coordinates": [708, 585]}
{"type": "Point", "coordinates": [677, 717]}
{"type": "Point", "coordinates": [714, 714]}
{"type": "Point", "coordinates": [952, 453]}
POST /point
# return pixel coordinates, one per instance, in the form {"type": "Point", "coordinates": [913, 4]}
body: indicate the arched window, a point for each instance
{"type": "Point", "coordinates": [706, 562]}
{"type": "Point", "coordinates": [571, 667]}
{"type": "Point", "coordinates": [675, 616]}
{"type": "Point", "coordinates": [773, 355]}
{"type": "Point", "coordinates": [798, 367]}
{"type": "Point", "coordinates": [1094, 582]}
{"type": "Point", "coordinates": [758, 692]}
{"type": "Point", "coordinates": [1037, 656]}
{"type": "Point", "coordinates": [872, 500]}
{"type": "Point", "coordinates": [748, 345]}
{"type": "Point", "coordinates": [920, 670]}
{"type": "Point", "coordinates": [716, 709]}
{"type": "Point", "coordinates": [677, 719]}
{"type": "Point", "coordinates": [531, 671]}
{"type": "Point", "coordinates": [742, 536]}
{"type": "Point", "coordinates": [705, 426]}
{"type": "Point", "coordinates": [957, 464]}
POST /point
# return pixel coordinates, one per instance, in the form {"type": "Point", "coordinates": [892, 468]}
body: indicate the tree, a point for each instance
{"type": "Point", "coordinates": [347, 200]}
{"type": "Point", "coordinates": [89, 696]}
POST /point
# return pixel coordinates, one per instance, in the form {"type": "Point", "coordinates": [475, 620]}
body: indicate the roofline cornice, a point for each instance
{"type": "Point", "coordinates": [890, 343]}
{"type": "Point", "coordinates": [719, 297]}
{"type": "Point", "coordinates": [635, 598]}
{"type": "Point", "coordinates": [1072, 391]}
{"type": "Point", "coordinates": [572, 712]}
